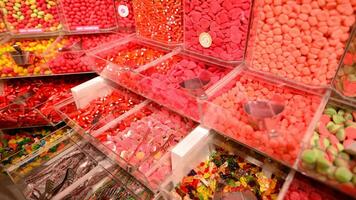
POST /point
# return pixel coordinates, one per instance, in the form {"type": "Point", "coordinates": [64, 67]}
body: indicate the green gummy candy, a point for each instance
{"type": "Point", "coordinates": [338, 119]}
{"type": "Point", "coordinates": [309, 156]}
{"type": "Point", "coordinates": [314, 140]}
{"type": "Point", "coordinates": [344, 156]}
{"type": "Point", "coordinates": [329, 125]}
{"type": "Point", "coordinates": [335, 128]}
{"type": "Point", "coordinates": [341, 112]}
{"type": "Point", "coordinates": [340, 135]}
{"type": "Point", "coordinates": [350, 124]}
{"type": "Point", "coordinates": [322, 165]}
{"type": "Point", "coordinates": [343, 175]}
{"type": "Point", "coordinates": [330, 111]}
{"type": "Point", "coordinates": [326, 142]}
{"type": "Point", "coordinates": [340, 147]}
{"type": "Point", "coordinates": [330, 172]}
{"type": "Point", "coordinates": [348, 116]}
{"type": "Point", "coordinates": [332, 150]}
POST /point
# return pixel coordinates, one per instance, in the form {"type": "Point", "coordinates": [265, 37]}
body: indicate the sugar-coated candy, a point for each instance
{"type": "Point", "coordinates": [31, 16]}
{"type": "Point", "coordinates": [301, 41]}
{"type": "Point", "coordinates": [278, 136]}
{"type": "Point", "coordinates": [217, 28]}
{"type": "Point", "coordinates": [89, 15]}
{"type": "Point", "coordinates": [160, 21]}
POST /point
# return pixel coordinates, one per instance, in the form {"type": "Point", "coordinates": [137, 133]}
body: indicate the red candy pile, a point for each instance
{"type": "Point", "coordinates": [159, 20]}
{"type": "Point", "coordinates": [89, 15]}
{"type": "Point", "coordinates": [282, 135]}
{"type": "Point", "coordinates": [217, 28]}
{"type": "Point", "coordinates": [301, 40]}
{"type": "Point", "coordinates": [125, 14]}
{"type": "Point", "coordinates": [31, 16]}
{"type": "Point", "coordinates": [303, 188]}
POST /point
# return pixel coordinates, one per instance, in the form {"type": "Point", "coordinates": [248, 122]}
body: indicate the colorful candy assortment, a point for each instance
{"type": "Point", "coordinates": [160, 21]}
{"type": "Point", "coordinates": [13, 64]}
{"type": "Point", "coordinates": [217, 28]}
{"type": "Point", "coordinates": [278, 132]}
{"type": "Point", "coordinates": [143, 139]}
{"type": "Point", "coordinates": [300, 40]}
{"type": "Point", "coordinates": [28, 142]}
{"type": "Point", "coordinates": [114, 104]}
{"type": "Point", "coordinates": [304, 188]}
{"type": "Point", "coordinates": [3, 28]}
{"type": "Point", "coordinates": [331, 153]}
{"type": "Point", "coordinates": [225, 173]}
{"type": "Point", "coordinates": [176, 82]}
{"type": "Point", "coordinates": [345, 81]}
{"type": "Point", "coordinates": [66, 56]}
{"type": "Point", "coordinates": [31, 16]}
{"type": "Point", "coordinates": [125, 14]}
{"type": "Point", "coordinates": [92, 15]}
{"type": "Point", "coordinates": [13, 141]}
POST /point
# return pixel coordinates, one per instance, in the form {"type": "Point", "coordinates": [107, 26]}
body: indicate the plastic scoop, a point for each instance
{"type": "Point", "coordinates": [196, 85]}
{"type": "Point", "coordinates": [22, 58]}
{"type": "Point", "coordinates": [264, 114]}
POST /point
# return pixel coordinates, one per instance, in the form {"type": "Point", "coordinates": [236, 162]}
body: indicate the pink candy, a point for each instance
{"type": "Point", "coordinates": [300, 41]}
{"type": "Point", "coordinates": [225, 21]}
{"type": "Point", "coordinates": [226, 114]}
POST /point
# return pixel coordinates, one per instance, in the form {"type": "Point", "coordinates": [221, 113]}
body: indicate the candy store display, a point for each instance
{"type": "Point", "coordinates": [125, 14]}
{"type": "Point", "coordinates": [31, 141]}
{"type": "Point", "coordinates": [66, 55]}
{"type": "Point", "coordinates": [86, 110]}
{"type": "Point", "coordinates": [142, 139]}
{"type": "Point", "coordinates": [217, 29]}
{"type": "Point", "coordinates": [345, 80]}
{"type": "Point", "coordinates": [160, 21]}
{"type": "Point", "coordinates": [330, 155]}
{"type": "Point", "coordinates": [176, 82]}
{"type": "Point", "coordinates": [88, 16]}
{"type": "Point", "coordinates": [31, 16]}
{"type": "Point", "coordinates": [13, 141]}
{"type": "Point", "coordinates": [24, 57]}
{"type": "Point", "coordinates": [269, 116]}
{"type": "Point", "coordinates": [305, 188]}
{"type": "Point", "coordinates": [302, 41]}
{"type": "Point", "coordinates": [128, 54]}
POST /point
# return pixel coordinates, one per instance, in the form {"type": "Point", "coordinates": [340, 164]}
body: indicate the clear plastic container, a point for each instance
{"type": "Point", "coordinates": [217, 29]}
{"type": "Point", "coordinates": [85, 109]}
{"type": "Point", "coordinates": [301, 41]}
{"type": "Point", "coordinates": [268, 115]}
{"type": "Point", "coordinates": [89, 16]}
{"type": "Point", "coordinates": [32, 17]}
{"type": "Point", "coordinates": [160, 21]}
{"type": "Point", "coordinates": [140, 140]}
{"type": "Point", "coordinates": [178, 81]}
{"type": "Point", "coordinates": [24, 57]}
{"type": "Point", "coordinates": [218, 167]}
{"type": "Point", "coordinates": [329, 155]}
{"type": "Point", "coordinates": [125, 14]}
{"type": "Point", "coordinates": [345, 80]}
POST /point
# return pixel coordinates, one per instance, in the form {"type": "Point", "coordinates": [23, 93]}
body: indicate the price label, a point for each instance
{"type": "Point", "coordinates": [205, 40]}
{"type": "Point", "coordinates": [123, 11]}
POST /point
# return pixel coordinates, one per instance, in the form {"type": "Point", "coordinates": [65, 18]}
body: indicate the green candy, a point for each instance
{"type": "Point", "coordinates": [330, 111]}
{"type": "Point", "coordinates": [330, 125]}
{"type": "Point", "coordinates": [343, 175]}
{"type": "Point", "coordinates": [350, 124]}
{"type": "Point", "coordinates": [330, 172]}
{"type": "Point", "coordinates": [338, 119]}
{"type": "Point", "coordinates": [314, 140]}
{"type": "Point", "coordinates": [332, 150]}
{"type": "Point", "coordinates": [340, 147]}
{"type": "Point", "coordinates": [344, 156]}
{"type": "Point", "coordinates": [341, 112]}
{"type": "Point", "coordinates": [323, 165]}
{"type": "Point", "coordinates": [348, 116]}
{"type": "Point", "coordinates": [340, 135]}
{"type": "Point", "coordinates": [354, 179]}
{"type": "Point", "coordinates": [326, 142]}
{"type": "Point", "coordinates": [339, 162]}
{"type": "Point", "coordinates": [309, 156]}
{"type": "Point", "coordinates": [335, 128]}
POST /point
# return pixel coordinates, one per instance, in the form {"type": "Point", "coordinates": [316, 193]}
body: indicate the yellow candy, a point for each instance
{"type": "Point", "coordinates": [140, 155]}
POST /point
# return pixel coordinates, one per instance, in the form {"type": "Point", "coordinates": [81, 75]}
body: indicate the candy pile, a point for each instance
{"type": "Point", "coordinates": [301, 40]}
{"type": "Point", "coordinates": [147, 137]}
{"type": "Point", "coordinates": [225, 173]}
{"type": "Point", "coordinates": [332, 146]}
{"type": "Point", "coordinates": [125, 14]}
{"type": "Point", "coordinates": [66, 55]}
{"type": "Point", "coordinates": [2, 24]}
{"type": "Point", "coordinates": [31, 16]}
{"type": "Point", "coordinates": [114, 104]}
{"type": "Point", "coordinates": [28, 142]}
{"type": "Point", "coordinates": [172, 83]}
{"type": "Point", "coordinates": [13, 64]}
{"type": "Point", "coordinates": [89, 15]}
{"type": "Point", "coordinates": [217, 28]}
{"type": "Point", "coordinates": [159, 20]}
{"type": "Point", "coordinates": [345, 81]}
{"type": "Point", "coordinates": [13, 141]}
{"type": "Point", "coordinates": [304, 188]}
{"type": "Point", "coordinates": [279, 134]}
